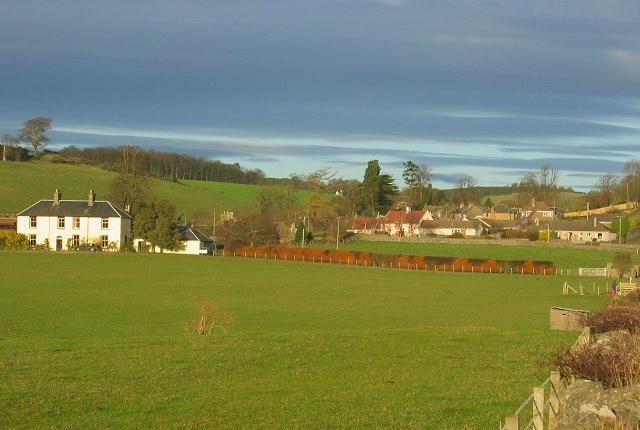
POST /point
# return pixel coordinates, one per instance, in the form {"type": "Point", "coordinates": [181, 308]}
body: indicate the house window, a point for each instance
{"type": "Point", "coordinates": [60, 222]}
{"type": "Point", "coordinates": [105, 223]}
{"type": "Point", "coordinates": [76, 222]}
{"type": "Point", "coordinates": [33, 222]}
{"type": "Point", "coordinates": [32, 240]}
{"type": "Point", "coordinates": [104, 241]}
{"type": "Point", "coordinates": [75, 240]}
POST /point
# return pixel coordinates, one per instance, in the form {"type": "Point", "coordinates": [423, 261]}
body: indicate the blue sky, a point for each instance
{"type": "Point", "coordinates": [493, 89]}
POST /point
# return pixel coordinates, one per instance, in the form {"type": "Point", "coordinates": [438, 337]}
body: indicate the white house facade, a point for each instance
{"type": "Point", "coordinates": [68, 224]}
{"type": "Point", "coordinates": [192, 241]}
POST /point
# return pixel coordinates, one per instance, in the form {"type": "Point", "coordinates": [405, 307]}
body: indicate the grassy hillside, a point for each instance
{"type": "Point", "coordinates": [22, 184]}
{"type": "Point", "coordinates": [564, 199]}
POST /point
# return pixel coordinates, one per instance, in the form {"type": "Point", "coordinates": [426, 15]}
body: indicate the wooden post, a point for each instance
{"type": "Point", "coordinates": [538, 408]}
{"type": "Point", "coordinates": [554, 399]}
{"type": "Point", "coordinates": [511, 423]}
{"type": "Point", "coordinates": [585, 336]}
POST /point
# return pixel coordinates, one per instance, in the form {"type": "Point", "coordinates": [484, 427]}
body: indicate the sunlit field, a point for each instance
{"type": "Point", "coordinates": [95, 341]}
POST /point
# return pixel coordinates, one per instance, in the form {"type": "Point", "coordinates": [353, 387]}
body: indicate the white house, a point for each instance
{"type": "Point", "coordinates": [406, 222]}
{"type": "Point", "coordinates": [449, 227]}
{"type": "Point", "coordinates": [192, 241]}
{"type": "Point", "coordinates": [67, 224]}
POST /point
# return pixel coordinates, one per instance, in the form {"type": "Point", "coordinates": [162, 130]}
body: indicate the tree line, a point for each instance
{"type": "Point", "coordinates": [33, 140]}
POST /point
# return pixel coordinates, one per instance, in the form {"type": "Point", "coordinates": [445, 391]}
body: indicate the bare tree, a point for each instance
{"type": "Point", "coordinates": [631, 179]}
{"type": "Point", "coordinates": [34, 132]}
{"type": "Point", "coordinates": [130, 186]}
{"type": "Point", "coordinates": [547, 182]}
{"type": "Point", "coordinates": [464, 186]}
{"type": "Point", "coordinates": [8, 141]}
{"type": "Point", "coordinates": [606, 187]}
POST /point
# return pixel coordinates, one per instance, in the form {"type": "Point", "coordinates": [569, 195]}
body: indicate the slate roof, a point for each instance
{"type": "Point", "coordinates": [574, 225]}
{"type": "Point", "coordinates": [192, 233]}
{"type": "Point", "coordinates": [74, 208]}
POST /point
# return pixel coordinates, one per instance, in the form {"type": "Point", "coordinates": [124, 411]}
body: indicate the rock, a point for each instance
{"type": "Point", "coordinates": [586, 405]}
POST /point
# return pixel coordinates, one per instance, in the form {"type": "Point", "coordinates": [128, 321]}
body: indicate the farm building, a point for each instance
{"type": "Point", "coordinates": [67, 224]}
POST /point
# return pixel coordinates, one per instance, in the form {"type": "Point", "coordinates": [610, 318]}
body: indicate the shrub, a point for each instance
{"type": "Point", "coordinates": [210, 318]}
{"type": "Point", "coordinates": [614, 360]}
{"type": "Point", "coordinates": [11, 240]}
{"type": "Point", "coordinates": [616, 317]}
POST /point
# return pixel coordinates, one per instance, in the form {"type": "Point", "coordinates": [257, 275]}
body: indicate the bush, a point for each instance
{"type": "Point", "coordinates": [210, 318]}
{"type": "Point", "coordinates": [614, 360]}
{"type": "Point", "coordinates": [11, 240]}
{"type": "Point", "coordinates": [620, 316]}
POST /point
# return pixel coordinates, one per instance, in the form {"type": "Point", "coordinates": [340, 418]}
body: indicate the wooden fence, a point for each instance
{"type": "Point", "coordinates": [544, 403]}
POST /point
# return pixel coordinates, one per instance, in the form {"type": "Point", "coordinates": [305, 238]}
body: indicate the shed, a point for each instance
{"type": "Point", "coordinates": [567, 319]}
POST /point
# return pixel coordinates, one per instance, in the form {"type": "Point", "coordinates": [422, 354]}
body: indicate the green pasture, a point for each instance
{"type": "Point", "coordinates": [565, 258]}
{"type": "Point", "coordinates": [99, 341]}
{"type": "Point", "coordinates": [22, 184]}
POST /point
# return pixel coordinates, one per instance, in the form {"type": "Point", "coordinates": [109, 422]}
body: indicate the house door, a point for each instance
{"type": "Point", "coordinates": [59, 243]}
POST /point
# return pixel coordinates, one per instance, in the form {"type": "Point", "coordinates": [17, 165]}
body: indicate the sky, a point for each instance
{"type": "Point", "coordinates": [488, 88]}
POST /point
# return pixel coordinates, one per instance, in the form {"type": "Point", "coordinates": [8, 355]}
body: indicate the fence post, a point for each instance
{"type": "Point", "coordinates": [538, 408]}
{"type": "Point", "coordinates": [511, 423]}
{"type": "Point", "coordinates": [554, 399]}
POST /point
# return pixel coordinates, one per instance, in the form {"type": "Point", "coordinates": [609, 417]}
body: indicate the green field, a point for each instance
{"type": "Point", "coordinates": [22, 184]}
{"type": "Point", "coordinates": [99, 341]}
{"type": "Point", "coordinates": [566, 258]}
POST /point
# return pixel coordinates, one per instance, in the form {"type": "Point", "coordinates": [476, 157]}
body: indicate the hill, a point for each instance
{"type": "Point", "coordinates": [22, 184]}
{"type": "Point", "coordinates": [564, 200]}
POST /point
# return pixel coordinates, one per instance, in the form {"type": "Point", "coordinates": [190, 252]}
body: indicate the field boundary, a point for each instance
{"type": "Point", "coordinates": [415, 262]}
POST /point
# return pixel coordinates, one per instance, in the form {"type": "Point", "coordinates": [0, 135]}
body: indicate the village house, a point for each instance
{"type": "Point", "coordinates": [579, 231]}
{"type": "Point", "coordinates": [192, 241]}
{"type": "Point", "coordinates": [500, 212]}
{"type": "Point", "coordinates": [449, 227]}
{"type": "Point", "coordinates": [405, 223]}
{"type": "Point", "coordinates": [537, 211]}
{"type": "Point", "coordinates": [67, 224]}
{"type": "Point", "coordinates": [366, 225]}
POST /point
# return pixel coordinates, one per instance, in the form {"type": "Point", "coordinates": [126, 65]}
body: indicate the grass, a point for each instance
{"type": "Point", "coordinates": [92, 341]}
{"type": "Point", "coordinates": [565, 258]}
{"type": "Point", "coordinates": [22, 184]}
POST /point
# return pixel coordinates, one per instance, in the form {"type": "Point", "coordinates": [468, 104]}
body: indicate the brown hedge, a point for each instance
{"type": "Point", "coordinates": [448, 264]}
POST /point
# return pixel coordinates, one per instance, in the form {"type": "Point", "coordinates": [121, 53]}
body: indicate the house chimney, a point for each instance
{"type": "Point", "coordinates": [92, 198]}
{"type": "Point", "coordinates": [57, 195]}
{"type": "Point", "coordinates": [407, 209]}
{"type": "Point", "coordinates": [595, 221]}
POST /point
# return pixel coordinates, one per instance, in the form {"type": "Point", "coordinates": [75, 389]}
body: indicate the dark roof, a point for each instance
{"type": "Point", "coordinates": [74, 208]}
{"type": "Point", "coordinates": [192, 233]}
{"type": "Point", "coordinates": [575, 225]}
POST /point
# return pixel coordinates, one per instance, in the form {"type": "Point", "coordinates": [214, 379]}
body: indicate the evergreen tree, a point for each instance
{"type": "Point", "coordinates": [377, 190]}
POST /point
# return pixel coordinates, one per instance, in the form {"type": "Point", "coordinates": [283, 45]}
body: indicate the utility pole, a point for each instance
{"type": "Point", "coordinates": [338, 234]}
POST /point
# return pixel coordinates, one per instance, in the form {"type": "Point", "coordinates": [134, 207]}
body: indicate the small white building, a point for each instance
{"type": "Point", "coordinates": [192, 241]}
{"type": "Point", "coordinates": [68, 224]}
{"type": "Point", "coordinates": [449, 227]}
